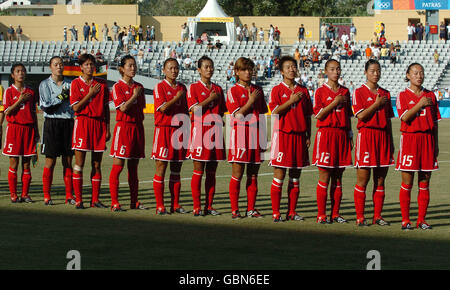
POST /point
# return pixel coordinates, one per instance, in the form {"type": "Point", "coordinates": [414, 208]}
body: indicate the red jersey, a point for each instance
{"type": "Point", "coordinates": [198, 92]}
{"type": "Point", "coordinates": [163, 93]}
{"type": "Point", "coordinates": [26, 114]}
{"type": "Point", "coordinates": [237, 97]}
{"type": "Point", "coordinates": [363, 98]}
{"type": "Point", "coordinates": [425, 119]}
{"type": "Point", "coordinates": [95, 108]}
{"type": "Point", "coordinates": [294, 120]}
{"type": "Point", "coordinates": [340, 116]}
{"type": "Point", "coordinates": [122, 92]}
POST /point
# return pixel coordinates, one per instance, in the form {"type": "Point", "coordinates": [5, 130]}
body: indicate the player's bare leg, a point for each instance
{"type": "Point", "coordinates": [96, 179]}
{"type": "Point", "coordinates": [252, 190]}
{"type": "Point", "coordinates": [175, 187]}
{"type": "Point", "coordinates": [423, 199]}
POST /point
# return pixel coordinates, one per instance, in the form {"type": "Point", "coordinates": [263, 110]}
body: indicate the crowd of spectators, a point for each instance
{"type": "Point", "coordinates": [12, 34]}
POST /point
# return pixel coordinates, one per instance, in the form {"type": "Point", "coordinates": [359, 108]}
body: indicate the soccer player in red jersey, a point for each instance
{"type": "Point", "coordinates": [206, 101]}
{"type": "Point", "coordinates": [170, 140]}
{"type": "Point", "coordinates": [291, 105]}
{"type": "Point", "coordinates": [245, 102]}
{"type": "Point", "coordinates": [21, 134]}
{"type": "Point", "coordinates": [419, 112]}
{"type": "Point", "coordinates": [128, 141]}
{"type": "Point", "coordinates": [333, 143]}
{"type": "Point", "coordinates": [371, 104]}
{"type": "Point", "coordinates": [89, 98]}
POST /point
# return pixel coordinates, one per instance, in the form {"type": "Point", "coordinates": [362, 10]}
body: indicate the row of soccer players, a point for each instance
{"type": "Point", "coordinates": [87, 97]}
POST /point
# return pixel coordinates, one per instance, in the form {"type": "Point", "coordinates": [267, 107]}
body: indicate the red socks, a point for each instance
{"type": "Point", "coordinates": [405, 200]}
{"type": "Point", "coordinates": [68, 182]}
{"type": "Point", "coordinates": [174, 187]}
{"type": "Point", "coordinates": [378, 201]}
{"type": "Point", "coordinates": [293, 193]}
{"type": "Point", "coordinates": [336, 197]}
{"type": "Point", "coordinates": [423, 200]}
{"type": "Point", "coordinates": [77, 179]}
{"type": "Point", "coordinates": [96, 181]}
{"type": "Point", "coordinates": [210, 188]}
{"type": "Point", "coordinates": [26, 181]}
{"type": "Point", "coordinates": [235, 185]}
{"type": "Point", "coordinates": [360, 200]}
{"type": "Point", "coordinates": [196, 183]}
{"type": "Point", "coordinates": [133, 183]}
{"type": "Point", "coordinates": [252, 191]}
{"type": "Point", "coordinates": [158, 189]}
{"type": "Point", "coordinates": [275, 195]}
{"type": "Point", "coordinates": [47, 178]}
{"type": "Point", "coordinates": [114, 184]}
{"type": "Point", "coordinates": [12, 181]}
{"type": "Point", "coordinates": [321, 192]}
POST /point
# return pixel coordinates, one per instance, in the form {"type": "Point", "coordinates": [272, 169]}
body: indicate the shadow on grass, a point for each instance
{"type": "Point", "coordinates": [133, 240]}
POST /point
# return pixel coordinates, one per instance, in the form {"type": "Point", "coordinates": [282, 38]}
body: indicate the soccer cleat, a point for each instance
{"type": "Point", "coordinates": [381, 222]}
{"type": "Point", "coordinates": [117, 208]}
{"type": "Point", "coordinates": [211, 211]}
{"type": "Point", "coordinates": [138, 205]}
{"type": "Point", "coordinates": [322, 220]}
{"type": "Point", "coordinates": [294, 217]}
{"type": "Point", "coordinates": [277, 218]}
{"type": "Point", "coordinates": [27, 199]}
{"type": "Point", "coordinates": [339, 220]}
{"type": "Point", "coordinates": [178, 210]}
{"type": "Point", "coordinates": [197, 212]}
{"type": "Point", "coordinates": [71, 201]}
{"type": "Point", "coordinates": [362, 222]}
{"type": "Point", "coordinates": [16, 199]}
{"type": "Point", "coordinates": [79, 205]}
{"type": "Point", "coordinates": [236, 215]}
{"type": "Point", "coordinates": [424, 226]}
{"type": "Point", "coordinates": [161, 211]}
{"type": "Point", "coordinates": [98, 204]}
{"type": "Point", "coordinates": [48, 202]}
{"type": "Point", "coordinates": [254, 214]}
{"type": "Point", "coordinates": [406, 226]}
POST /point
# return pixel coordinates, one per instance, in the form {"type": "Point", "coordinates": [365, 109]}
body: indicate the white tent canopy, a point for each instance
{"type": "Point", "coordinates": [212, 20]}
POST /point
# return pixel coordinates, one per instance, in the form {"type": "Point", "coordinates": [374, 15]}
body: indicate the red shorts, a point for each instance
{"type": "Point", "coordinates": [373, 148]}
{"type": "Point", "coordinates": [245, 146]}
{"type": "Point", "coordinates": [20, 140]}
{"type": "Point", "coordinates": [416, 152]}
{"type": "Point", "coordinates": [169, 144]}
{"type": "Point", "coordinates": [207, 145]}
{"type": "Point", "coordinates": [89, 134]}
{"type": "Point", "coordinates": [332, 148]}
{"type": "Point", "coordinates": [289, 150]}
{"type": "Point", "coordinates": [128, 141]}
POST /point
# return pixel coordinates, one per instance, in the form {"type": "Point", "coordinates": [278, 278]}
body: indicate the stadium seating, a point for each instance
{"type": "Point", "coordinates": [39, 52]}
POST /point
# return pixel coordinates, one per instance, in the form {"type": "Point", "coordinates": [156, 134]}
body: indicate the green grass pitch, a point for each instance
{"type": "Point", "coordinates": [142, 240]}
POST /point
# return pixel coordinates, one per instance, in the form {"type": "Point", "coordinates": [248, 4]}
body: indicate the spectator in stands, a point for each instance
{"type": "Point", "coordinates": [323, 31]}
{"type": "Point", "coordinates": [120, 37]}
{"type": "Point", "coordinates": [384, 53]}
{"type": "Point", "coordinates": [167, 51]}
{"type": "Point", "coordinates": [261, 63]}
{"type": "Point", "coordinates": [64, 33]}
{"type": "Point", "coordinates": [152, 33]}
{"type": "Point", "coordinates": [419, 31]}
{"type": "Point", "coordinates": [411, 30]}
{"type": "Point", "coordinates": [448, 31]}
{"type": "Point", "coordinates": [147, 33]}
{"type": "Point", "coordinates": [140, 33]}
{"type": "Point", "coordinates": [350, 54]}
{"type": "Point", "coordinates": [134, 52]}
{"type": "Point", "coordinates": [271, 33]}
{"type": "Point", "coordinates": [442, 31]}
{"type": "Point", "coordinates": [315, 57]}
{"type": "Point", "coordinates": [277, 34]}
{"type": "Point", "coordinates": [427, 31]}
{"type": "Point", "coordinates": [382, 40]}
{"type": "Point", "coordinates": [94, 32]}
{"type": "Point", "coordinates": [374, 39]}
{"type": "Point", "coordinates": [198, 41]}
{"type": "Point", "coordinates": [180, 61]}
{"type": "Point", "coordinates": [131, 35]}
{"type": "Point", "coordinates": [238, 32]}
{"type": "Point", "coordinates": [436, 56]}
{"type": "Point", "coordinates": [210, 45]}
{"type": "Point", "coordinates": [2, 37]}
{"type": "Point", "coordinates": [344, 38]}
{"type": "Point", "coordinates": [179, 49]}
{"type": "Point", "coordinates": [254, 31]}
{"type": "Point", "coordinates": [99, 57]}
{"type": "Point", "coordinates": [331, 31]}
{"type": "Point", "coordinates": [368, 52]}
{"type": "Point", "coordinates": [19, 32]}
{"type": "Point", "coordinates": [376, 52]}
{"type": "Point", "coordinates": [393, 54]}
{"type": "Point", "coordinates": [353, 32]}
{"type": "Point", "coordinates": [277, 52]}
{"type": "Point", "coordinates": [261, 34]}
{"type": "Point", "coordinates": [105, 31]}
{"type": "Point", "coordinates": [301, 33]}
{"type": "Point", "coordinates": [204, 37]}
{"type": "Point", "coordinates": [86, 31]}
{"type": "Point", "coordinates": [297, 56]}
{"type": "Point", "coordinates": [187, 62]}
{"type": "Point", "coordinates": [245, 33]}
{"type": "Point", "coordinates": [229, 72]}
{"type": "Point", "coordinates": [351, 88]}
{"type": "Point", "coordinates": [304, 79]}
{"type": "Point", "coordinates": [342, 53]}
{"type": "Point", "coordinates": [10, 33]}
{"type": "Point", "coordinates": [218, 44]}
{"type": "Point", "coordinates": [185, 32]}
{"type": "Point", "coordinates": [328, 43]}
{"type": "Point", "coordinates": [326, 55]}
{"type": "Point", "coordinates": [270, 64]}
{"type": "Point", "coordinates": [115, 30]}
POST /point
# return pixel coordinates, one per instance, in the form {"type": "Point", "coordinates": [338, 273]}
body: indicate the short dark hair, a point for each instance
{"type": "Point", "coordinates": [13, 67]}
{"type": "Point", "coordinates": [285, 59]}
{"type": "Point", "coordinates": [330, 61]}
{"type": "Point", "coordinates": [54, 57]}
{"type": "Point", "coordinates": [202, 59]}
{"type": "Point", "coordinates": [371, 62]}
{"type": "Point", "coordinates": [85, 57]}
{"type": "Point", "coordinates": [169, 60]}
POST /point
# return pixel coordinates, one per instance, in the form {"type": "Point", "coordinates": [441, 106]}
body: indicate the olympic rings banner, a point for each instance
{"type": "Point", "coordinates": [412, 4]}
